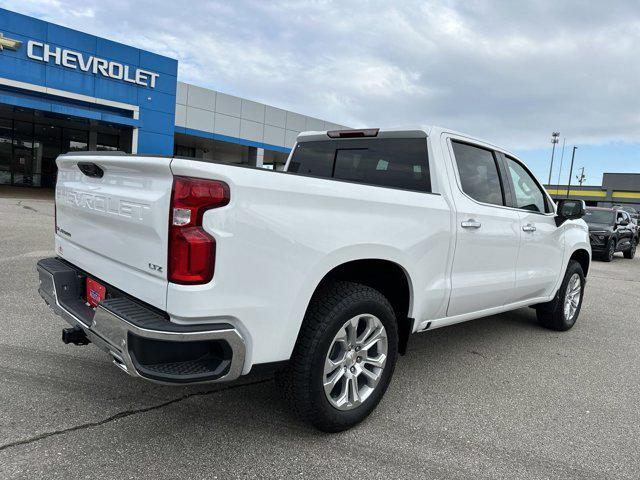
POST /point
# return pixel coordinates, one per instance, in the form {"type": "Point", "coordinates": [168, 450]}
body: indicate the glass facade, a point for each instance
{"type": "Point", "coordinates": [30, 142]}
{"type": "Point", "coordinates": [209, 150]}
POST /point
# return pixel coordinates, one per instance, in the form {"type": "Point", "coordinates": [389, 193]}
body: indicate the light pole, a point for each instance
{"type": "Point", "coordinates": [555, 137]}
{"type": "Point", "coordinates": [573, 156]}
{"type": "Point", "coordinates": [564, 140]}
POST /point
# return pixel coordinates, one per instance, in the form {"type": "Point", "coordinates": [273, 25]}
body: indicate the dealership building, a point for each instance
{"type": "Point", "coordinates": [616, 189]}
{"type": "Point", "coordinates": [62, 90]}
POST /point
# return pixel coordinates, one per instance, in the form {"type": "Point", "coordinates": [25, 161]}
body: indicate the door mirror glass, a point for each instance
{"type": "Point", "coordinates": [570, 210]}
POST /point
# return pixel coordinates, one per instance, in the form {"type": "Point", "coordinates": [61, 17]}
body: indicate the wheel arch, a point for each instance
{"type": "Point", "coordinates": [582, 256]}
{"type": "Point", "coordinates": [387, 277]}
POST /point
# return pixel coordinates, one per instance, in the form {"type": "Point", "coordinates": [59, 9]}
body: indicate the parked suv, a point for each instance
{"type": "Point", "coordinates": [611, 230]}
{"type": "Point", "coordinates": [630, 210]}
{"type": "Point", "coordinates": [633, 213]}
{"type": "Point", "coordinates": [186, 271]}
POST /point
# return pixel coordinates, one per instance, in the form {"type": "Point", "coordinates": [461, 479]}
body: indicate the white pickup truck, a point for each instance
{"type": "Point", "coordinates": [186, 271]}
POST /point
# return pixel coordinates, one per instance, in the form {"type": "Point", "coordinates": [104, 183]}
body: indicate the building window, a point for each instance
{"type": "Point", "coordinates": [184, 151]}
{"type": "Point", "coordinates": [107, 143]}
{"type": "Point", "coordinates": [75, 140]}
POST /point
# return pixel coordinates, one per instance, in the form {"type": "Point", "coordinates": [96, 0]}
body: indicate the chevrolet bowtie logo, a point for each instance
{"type": "Point", "coordinates": [9, 43]}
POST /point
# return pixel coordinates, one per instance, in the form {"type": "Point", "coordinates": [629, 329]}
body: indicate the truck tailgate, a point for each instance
{"type": "Point", "coordinates": [113, 221]}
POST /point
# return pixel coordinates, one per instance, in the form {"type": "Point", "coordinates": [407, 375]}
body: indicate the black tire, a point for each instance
{"type": "Point", "coordinates": [302, 380]}
{"type": "Point", "coordinates": [631, 251]}
{"type": "Point", "coordinates": [607, 256]}
{"type": "Point", "coordinates": [552, 315]}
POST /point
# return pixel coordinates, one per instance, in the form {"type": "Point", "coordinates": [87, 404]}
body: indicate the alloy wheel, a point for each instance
{"type": "Point", "coordinates": [355, 361]}
{"type": "Point", "coordinates": [572, 297]}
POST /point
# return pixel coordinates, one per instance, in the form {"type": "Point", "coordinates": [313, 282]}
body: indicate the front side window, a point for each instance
{"type": "Point", "coordinates": [479, 177]}
{"type": "Point", "coordinates": [386, 162]}
{"type": "Point", "coordinates": [529, 196]}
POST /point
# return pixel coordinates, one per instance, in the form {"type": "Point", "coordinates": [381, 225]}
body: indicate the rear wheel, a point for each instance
{"type": "Point", "coordinates": [562, 312]}
{"type": "Point", "coordinates": [631, 251]}
{"type": "Point", "coordinates": [344, 358]}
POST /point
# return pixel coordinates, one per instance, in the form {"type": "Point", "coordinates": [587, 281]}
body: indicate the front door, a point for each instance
{"type": "Point", "coordinates": [22, 164]}
{"type": "Point", "coordinates": [50, 143]}
{"type": "Point", "coordinates": [542, 244]}
{"type": "Point", "coordinates": [22, 167]}
{"type": "Point", "coordinates": [488, 234]}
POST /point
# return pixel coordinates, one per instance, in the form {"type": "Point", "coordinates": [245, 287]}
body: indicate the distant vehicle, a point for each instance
{"type": "Point", "coordinates": [611, 230]}
{"type": "Point", "coordinates": [630, 210]}
{"type": "Point", "coordinates": [635, 216]}
{"type": "Point", "coordinates": [186, 271]}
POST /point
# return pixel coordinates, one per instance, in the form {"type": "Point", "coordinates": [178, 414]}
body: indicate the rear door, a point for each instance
{"type": "Point", "coordinates": [488, 233]}
{"type": "Point", "coordinates": [542, 245]}
{"type": "Point", "coordinates": [112, 216]}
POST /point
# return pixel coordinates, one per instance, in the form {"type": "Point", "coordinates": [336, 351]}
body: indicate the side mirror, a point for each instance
{"type": "Point", "coordinates": [569, 210]}
{"type": "Point", "coordinates": [624, 223]}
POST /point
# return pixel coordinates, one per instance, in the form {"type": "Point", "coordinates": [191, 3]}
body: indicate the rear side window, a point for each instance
{"type": "Point", "coordinates": [479, 175]}
{"type": "Point", "coordinates": [386, 162]}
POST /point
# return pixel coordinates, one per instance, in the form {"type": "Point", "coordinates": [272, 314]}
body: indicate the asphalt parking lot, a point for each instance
{"type": "Point", "coordinates": [494, 398]}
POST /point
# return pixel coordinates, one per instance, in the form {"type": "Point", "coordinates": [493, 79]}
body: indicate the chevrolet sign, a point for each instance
{"type": "Point", "coordinates": [43, 52]}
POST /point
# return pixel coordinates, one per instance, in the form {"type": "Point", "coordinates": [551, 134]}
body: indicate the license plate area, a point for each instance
{"type": "Point", "coordinates": [95, 292]}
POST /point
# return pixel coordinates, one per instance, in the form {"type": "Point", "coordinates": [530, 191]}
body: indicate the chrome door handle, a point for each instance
{"type": "Point", "coordinates": [529, 228]}
{"type": "Point", "coordinates": [471, 223]}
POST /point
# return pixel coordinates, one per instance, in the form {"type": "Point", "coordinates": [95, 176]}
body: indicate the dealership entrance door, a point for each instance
{"type": "Point", "coordinates": [31, 140]}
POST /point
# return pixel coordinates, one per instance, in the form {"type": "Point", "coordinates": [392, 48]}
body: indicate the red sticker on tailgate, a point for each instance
{"type": "Point", "coordinates": [95, 292]}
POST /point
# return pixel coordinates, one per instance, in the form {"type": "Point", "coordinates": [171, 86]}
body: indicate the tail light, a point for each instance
{"type": "Point", "coordinates": [192, 251]}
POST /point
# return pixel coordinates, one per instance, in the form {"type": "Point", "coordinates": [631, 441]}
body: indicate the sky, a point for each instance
{"type": "Point", "coordinates": [510, 72]}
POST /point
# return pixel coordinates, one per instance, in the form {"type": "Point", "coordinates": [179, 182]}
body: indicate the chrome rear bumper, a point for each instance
{"type": "Point", "coordinates": [140, 340]}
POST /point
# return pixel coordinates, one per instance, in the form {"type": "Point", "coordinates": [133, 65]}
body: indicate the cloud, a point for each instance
{"type": "Point", "coordinates": [511, 72]}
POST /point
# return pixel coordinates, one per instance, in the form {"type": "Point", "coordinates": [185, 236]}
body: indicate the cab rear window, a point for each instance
{"type": "Point", "coordinates": [386, 162]}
